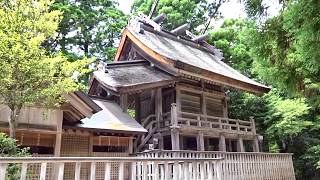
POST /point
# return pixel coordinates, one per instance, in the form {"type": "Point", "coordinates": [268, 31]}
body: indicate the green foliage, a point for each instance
{"type": "Point", "coordinates": [194, 12]}
{"type": "Point", "coordinates": [9, 148]}
{"type": "Point", "coordinates": [28, 75]}
{"type": "Point", "coordinates": [287, 118]}
{"type": "Point", "coordinates": [285, 52]}
{"type": "Point", "coordinates": [290, 49]}
{"type": "Point", "coordinates": [313, 155]}
{"type": "Point", "coordinates": [88, 28]}
{"type": "Point", "coordinates": [229, 38]}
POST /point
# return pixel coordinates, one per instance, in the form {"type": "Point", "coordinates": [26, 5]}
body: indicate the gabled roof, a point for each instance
{"type": "Point", "coordinates": [79, 106]}
{"type": "Point", "coordinates": [131, 76]}
{"type": "Point", "coordinates": [186, 57]}
{"type": "Point", "coordinates": [111, 118]}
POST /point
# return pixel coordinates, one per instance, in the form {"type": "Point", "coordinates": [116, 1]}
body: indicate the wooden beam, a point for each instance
{"type": "Point", "coordinates": [121, 45]}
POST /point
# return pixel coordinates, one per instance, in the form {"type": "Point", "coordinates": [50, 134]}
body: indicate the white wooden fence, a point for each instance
{"type": "Point", "coordinates": [238, 165]}
{"type": "Point", "coordinates": [165, 165]}
{"type": "Point", "coordinates": [141, 168]}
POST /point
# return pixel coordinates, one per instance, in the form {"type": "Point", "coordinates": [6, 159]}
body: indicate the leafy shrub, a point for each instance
{"type": "Point", "coordinates": [10, 148]}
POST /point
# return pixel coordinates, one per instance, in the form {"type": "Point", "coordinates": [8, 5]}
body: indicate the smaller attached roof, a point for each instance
{"type": "Point", "coordinates": [130, 76]}
{"type": "Point", "coordinates": [111, 118]}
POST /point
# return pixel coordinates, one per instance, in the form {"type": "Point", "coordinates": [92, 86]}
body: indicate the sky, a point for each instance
{"type": "Point", "coordinates": [232, 9]}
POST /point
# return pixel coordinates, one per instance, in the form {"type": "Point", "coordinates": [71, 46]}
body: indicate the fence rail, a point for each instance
{"type": "Point", "coordinates": [141, 168]}
{"type": "Point", "coordinates": [239, 165]}
{"type": "Point", "coordinates": [161, 165]}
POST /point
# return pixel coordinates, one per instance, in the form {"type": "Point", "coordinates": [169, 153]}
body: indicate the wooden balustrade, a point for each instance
{"type": "Point", "coordinates": [186, 119]}
{"type": "Point", "coordinates": [192, 120]}
{"type": "Point", "coordinates": [239, 165]}
{"type": "Point", "coordinates": [146, 168]}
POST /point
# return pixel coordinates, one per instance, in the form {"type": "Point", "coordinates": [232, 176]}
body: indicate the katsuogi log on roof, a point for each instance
{"type": "Point", "coordinates": [131, 76]}
{"type": "Point", "coordinates": [183, 57]}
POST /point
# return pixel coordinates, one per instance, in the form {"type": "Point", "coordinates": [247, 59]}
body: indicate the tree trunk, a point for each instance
{"type": "Point", "coordinates": [14, 114]}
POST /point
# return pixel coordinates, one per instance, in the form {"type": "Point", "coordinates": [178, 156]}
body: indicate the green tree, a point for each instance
{"type": "Point", "coordinates": [28, 74]}
{"type": "Point", "coordinates": [10, 148]}
{"type": "Point", "coordinates": [194, 12]}
{"type": "Point", "coordinates": [230, 39]}
{"type": "Point", "coordinates": [88, 28]}
{"type": "Point", "coordinates": [285, 118]}
{"type": "Point", "coordinates": [285, 51]}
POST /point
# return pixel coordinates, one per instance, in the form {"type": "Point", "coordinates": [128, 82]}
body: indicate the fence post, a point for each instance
{"type": "Point", "coordinates": [93, 171]}
{"type": "Point", "coordinates": [60, 171]}
{"type": "Point", "coordinates": [107, 171]}
{"type": "Point", "coordinates": [3, 170]}
{"type": "Point", "coordinates": [43, 170]}
{"type": "Point", "coordinates": [23, 175]}
{"type": "Point", "coordinates": [219, 169]}
{"type": "Point", "coordinates": [77, 171]}
{"type": "Point", "coordinates": [121, 171]}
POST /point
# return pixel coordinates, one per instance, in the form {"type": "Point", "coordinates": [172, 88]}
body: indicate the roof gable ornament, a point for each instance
{"type": "Point", "coordinates": [136, 23]}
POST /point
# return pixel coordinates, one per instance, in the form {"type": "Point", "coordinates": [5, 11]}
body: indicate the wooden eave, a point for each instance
{"type": "Point", "coordinates": [76, 102]}
{"type": "Point", "coordinates": [102, 130]}
{"type": "Point", "coordinates": [133, 89]}
{"type": "Point", "coordinates": [186, 69]}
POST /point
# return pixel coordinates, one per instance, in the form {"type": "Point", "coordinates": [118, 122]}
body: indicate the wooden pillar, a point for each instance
{"type": "Point", "coordinates": [229, 145]}
{"type": "Point", "coordinates": [57, 146]}
{"type": "Point", "coordinates": [161, 145]}
{"type": "Point", "coordinates": [178, 98]}
{"type": "Point", "coordinates": [222, 143]}
{"type": "Point", "coordinates": [200, 142]}
{"type": "Point", "coordinates": [253, 125]}
{"type": "Point", "coordinates": [240, 146]}
{"type": "Point", "coordinates": [90, 144]}
{"type": "Point", "coordinates": [225, 107]}
{"type": "Point", "coordinates": [124, 102]}
{"type": "Point", "coordinates": [256, 144]}
{"type": "Point", "coordinates": [158, 105]}
{"type": "Point", "coordinates": [203, 102]}
{"type": "Point", "coordinates": [137, 108]}
{"type": "Point", "coordinates": [130, 148]}
{"type": "Point", "coordinates": [175, 139]}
